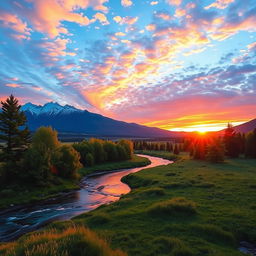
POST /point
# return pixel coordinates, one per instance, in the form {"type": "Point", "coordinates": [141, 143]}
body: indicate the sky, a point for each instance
{"type": "Point", "coordinates": [173, 64]}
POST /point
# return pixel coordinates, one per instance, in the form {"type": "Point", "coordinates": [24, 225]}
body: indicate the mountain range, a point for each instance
{"type": "Point", "coordinates": [68, 119]}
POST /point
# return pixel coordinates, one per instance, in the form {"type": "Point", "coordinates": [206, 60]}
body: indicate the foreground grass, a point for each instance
{"type": "Point", "coordinates": [73, 241]}
{"type": "Point", "coordinates": [19, 195]}
{"type": "Point", "coordinates": [182, 209]}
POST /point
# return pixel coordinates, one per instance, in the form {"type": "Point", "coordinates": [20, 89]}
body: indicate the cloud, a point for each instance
{"type": "Point", "coordinates": [126, 3]}
{"type": "Point", "coordinates": [47, 16]}
{"type": "Point", "coordinates": [101, 18]}
{"type": "Point", "coordinates": [174, 2]}
{"type": "Point", "coordinates": [125, 20]}
{"type": "Point", "coordinates": [9, 20]}
{"type": "Point", "coordinates": [13, 85]}
{"type": "Point", "coordinates": [220, 4]}
{"type": "Point", "coordinates": [154, 3]}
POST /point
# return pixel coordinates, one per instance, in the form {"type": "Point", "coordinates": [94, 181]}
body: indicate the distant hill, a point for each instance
{"type": "Point", "coordinates": [68, 119]}
{"type": "Point", "coordinates": [246, 127]}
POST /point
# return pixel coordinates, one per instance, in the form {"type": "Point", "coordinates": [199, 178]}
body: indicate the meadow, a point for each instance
{"type": "Point", "coordinates": [182, 209]}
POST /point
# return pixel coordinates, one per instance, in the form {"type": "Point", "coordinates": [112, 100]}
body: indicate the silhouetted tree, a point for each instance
{"type": "Point", "coordinates": [250, 146]}
{"type": "Point", "coordinates": [215, 151]}
{"type": "Point", "coordinates": [176, 150]}
{"type": "Point", "coordinates": [231, 142]}
{"type": "Point", "coordinates": [13, 129]}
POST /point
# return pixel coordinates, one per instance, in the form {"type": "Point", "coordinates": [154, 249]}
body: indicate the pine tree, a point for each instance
{"type": "Point", "coordinates": [231, 142]}
{"type": "Point", "coordinates": [13, 130]}
{"type": "Point", "coordinates": [176, 150]}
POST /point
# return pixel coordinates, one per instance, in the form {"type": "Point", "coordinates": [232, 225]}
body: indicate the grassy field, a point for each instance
{"type": "Point", "coordinates": [19, 195]}
{"type": "Point", "coordinates": [182, 209]}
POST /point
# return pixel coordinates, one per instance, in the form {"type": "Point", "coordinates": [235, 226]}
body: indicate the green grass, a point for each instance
{"type": "Point", "coordinates": [200, 209]}
{"type": "Point", "coordinates": [77, 241]}
{"type": "Point", "coordinates": [13, 195]}
{"type": "Point", "coordinates": [136, 161]}
{"type": "Point", "coordinates": [162, 154]}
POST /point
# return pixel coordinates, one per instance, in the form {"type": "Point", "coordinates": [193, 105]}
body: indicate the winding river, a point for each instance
{"type": "Point", "coordinates": [95, 191]}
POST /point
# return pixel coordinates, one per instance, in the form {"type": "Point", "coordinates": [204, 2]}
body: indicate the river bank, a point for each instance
{"type": "Point", "coordinates": [94, 191]}
{"type": "Point", "coordinates": [189, 208]}
{"type": "Point", "coordinates": [14, 196]}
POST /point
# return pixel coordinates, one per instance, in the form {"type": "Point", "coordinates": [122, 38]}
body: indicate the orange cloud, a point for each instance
{"type": "Point", "coordinates": [126, 3]}
{"type": "Point", "coordinates": [220, 4]}
{"type": "Point", "coordinates": [13, 22]}
{"type": "Point", "coordinates": [47, 15]}
{"type": "Point", "coordinates": [174, 2]}
{"type": "Point", "coordinates": [13, 85]}
{"type": "Point", "coordinates": [101, 18]}
{"type": "Point", "coordinates": [154, 3]}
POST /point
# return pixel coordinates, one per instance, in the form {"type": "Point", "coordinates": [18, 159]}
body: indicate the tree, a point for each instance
{"type": "Point", "coordinates": [128, 146]}
{"type": "Point", "coordinates": [231, 142]}
{"type": "Point", "coordinates": [176, 150]}
{"type": "Point", "coordinates": [37, 161]}
{"type": "Point", "coordinates": [66, 160]}
{"type": "Point", "coordinates": [215, 151]}
{"type": "Point", "coordinates": [45, 139]}
{"type": "Point", "coordinates": [13, 129]}
{"type": "Point", "coordinates": [250, 145]}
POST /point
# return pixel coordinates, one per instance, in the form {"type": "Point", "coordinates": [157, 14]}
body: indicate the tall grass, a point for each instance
{"type": "Point", "coordinates": [174, 206]}
{"type": "Point", "coordinates": [74, 241]}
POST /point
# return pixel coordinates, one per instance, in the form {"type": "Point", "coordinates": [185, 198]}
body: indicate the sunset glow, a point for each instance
{"type": "Point", "coordinates": [179, 65]}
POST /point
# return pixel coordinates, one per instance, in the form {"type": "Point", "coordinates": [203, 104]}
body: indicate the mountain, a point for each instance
{"type": "Point", "coordinates": [68, 119]}
{"type": "Point", "coordinates": [246, 127]}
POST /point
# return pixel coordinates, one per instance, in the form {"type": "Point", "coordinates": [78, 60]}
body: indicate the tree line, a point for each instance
{"type": "Point", "coordinates": [40, 158]}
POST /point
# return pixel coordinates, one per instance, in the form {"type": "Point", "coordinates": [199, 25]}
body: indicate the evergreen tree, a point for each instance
{"type": "Point", "coordinates": [13, 130]}
{"type": "Point", "coordinates": [250, 146]}
{"type": "Point", "coordinates": [176, 150]}
{"type": "Point", "coordinates": [215, 151]}
{"type": "Point", "coordinates": [231, 142]}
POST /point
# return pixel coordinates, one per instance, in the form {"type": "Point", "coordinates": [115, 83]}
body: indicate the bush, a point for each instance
{"type": "Point", "coordinates": [175, 206]}
{"type": "Point", "coordinates": [66, 161]}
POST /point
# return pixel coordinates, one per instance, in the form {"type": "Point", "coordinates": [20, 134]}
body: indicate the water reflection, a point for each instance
{"type": "Point", "coordinates": [95, 191]}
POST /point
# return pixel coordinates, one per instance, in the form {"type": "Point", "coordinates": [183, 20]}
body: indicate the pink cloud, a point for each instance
{"type": "Point", "coordinates": [220, 4]}
{"type": "Point", "coordinates": [126, 3]}
{"type": "Point", "coordinates": [47, 15]}
{"type": "Point", "coordinates": [101, 18]}
{"type": "Point", "coordinates": [13, 85]}
{"type": "Point", "coordinates": [174, 2]}
{"type": "Point", "coordinates": [11, 21]}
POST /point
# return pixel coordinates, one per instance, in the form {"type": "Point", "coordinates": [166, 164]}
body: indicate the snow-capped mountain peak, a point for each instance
{"type": "Point", "coordinates": [50, 108]}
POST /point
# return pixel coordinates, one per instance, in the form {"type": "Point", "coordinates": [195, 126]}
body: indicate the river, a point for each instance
{"type": "Point", "coordinates": [95, 191]}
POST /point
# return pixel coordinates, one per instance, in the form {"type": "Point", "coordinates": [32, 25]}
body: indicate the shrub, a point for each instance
{"type": "Point", "coordinates": [66, 160]}
{"type": "Point", "coordinates": [174, 206]}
